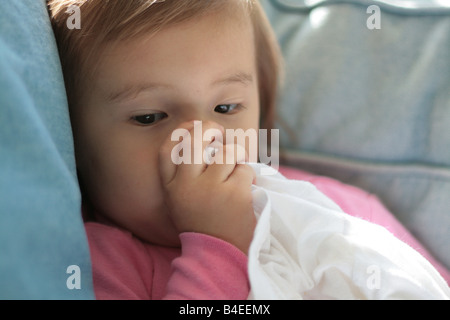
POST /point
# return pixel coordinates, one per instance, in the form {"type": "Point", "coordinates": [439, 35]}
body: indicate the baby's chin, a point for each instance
{"type": "Point", "coordinates": [163, 235]}
{"type": "Point", "coordinates": [170, 242]}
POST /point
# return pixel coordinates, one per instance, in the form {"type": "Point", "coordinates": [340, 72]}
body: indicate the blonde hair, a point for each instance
{"type": "Point", "coordinates": [106, 21]}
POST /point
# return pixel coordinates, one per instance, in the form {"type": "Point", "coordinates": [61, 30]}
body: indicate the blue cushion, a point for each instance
{"type": "Point", "coordinates": [41, 230]}
{"type": "Point", "coordinates": [371, 106]}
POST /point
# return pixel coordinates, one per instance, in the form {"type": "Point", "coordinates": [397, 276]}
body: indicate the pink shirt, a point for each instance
{"type": "Point", "coordinates": [206, 267]}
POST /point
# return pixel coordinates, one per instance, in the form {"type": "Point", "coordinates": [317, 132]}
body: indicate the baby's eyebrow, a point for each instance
{"type": "Point", "coordinates": [133, 90]}
{"type": "Point", "coordinates": [239, 77]}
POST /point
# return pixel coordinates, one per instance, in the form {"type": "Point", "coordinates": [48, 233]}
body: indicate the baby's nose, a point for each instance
{"type": "Point", "coordinates": [209, 129]}
{"type": "Point", "coordinates": [205, 123]}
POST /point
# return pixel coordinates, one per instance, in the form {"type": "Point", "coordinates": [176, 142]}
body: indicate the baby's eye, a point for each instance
{"type": "Point", "coordinates": [226, 108]}
{"type": "Point", "coordinates": [148, 119]}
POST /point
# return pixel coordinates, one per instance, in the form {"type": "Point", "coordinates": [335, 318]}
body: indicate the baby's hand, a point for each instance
{"type": "Point", "coordinates": [212, 199]}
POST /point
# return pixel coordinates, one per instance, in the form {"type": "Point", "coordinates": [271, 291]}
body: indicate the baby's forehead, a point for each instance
{"type": "Point", "coordinates": [203, 47]}
{"type": "Point", "coordinates": [107, 23]}
{"type": "Point", "coordinates": [160, 15]}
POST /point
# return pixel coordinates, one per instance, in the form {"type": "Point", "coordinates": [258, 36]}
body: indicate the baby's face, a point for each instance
{"type": "Point", "coordinates": [146, 88]}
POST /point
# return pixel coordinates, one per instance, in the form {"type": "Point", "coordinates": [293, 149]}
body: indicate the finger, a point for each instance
{"type": "Point", "coordinates": [242, 174]}
{"type": "Point", "coordinates": [202, 134]}
{"type": "Point", "coordinates": [212, 153]}
{"type": "Point", "coordinates": [225, 160]}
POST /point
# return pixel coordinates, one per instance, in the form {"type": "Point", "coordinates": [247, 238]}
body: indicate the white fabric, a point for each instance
{"type": "Point", "coordinates": [305, 247]}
